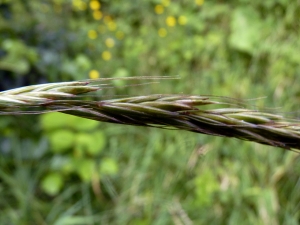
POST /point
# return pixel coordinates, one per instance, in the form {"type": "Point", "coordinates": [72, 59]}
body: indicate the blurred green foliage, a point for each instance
{"type": "Point", "coordinates": [59, 169]}
{"type": "Point", "coordinates": [76, 143]}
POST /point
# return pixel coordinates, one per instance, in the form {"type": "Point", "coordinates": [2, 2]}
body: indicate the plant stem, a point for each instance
{"type": "Point", "coordinates": [183, 112]}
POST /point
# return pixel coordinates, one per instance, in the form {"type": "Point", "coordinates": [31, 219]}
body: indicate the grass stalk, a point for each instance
{"type": "Point", "coordinates": [184, 112]}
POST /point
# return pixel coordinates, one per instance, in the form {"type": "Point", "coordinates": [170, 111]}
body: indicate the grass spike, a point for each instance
{"type": "Point", "coordinates": [182, 112]}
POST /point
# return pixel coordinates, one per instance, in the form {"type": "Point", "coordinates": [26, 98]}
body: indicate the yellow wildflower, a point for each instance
{"type": "Point", "coordinates": [95, 5]}
{"type": "Point", "coordinates": [106, 55]}
{"type": "Point", "coordinates": [171, 21]}
{"type": "Point", "coordinates": [101, 28]}
{"type": "Point", "coordinates": [57, 8]}
{"type": "Point", "coordinates": [92, 34]}
{"type": "Point", "coordinates": [107, 19]}
{"type": "Point", "coordinates": [166, 3]}
{"type": "Point", "coordinates": [97, 15]}
{"type": "Point", "coordinates": [199, 2]}
{"type": "Point", "coordinates": [109, 42]}
{"type": "Point", "coordinates": [79, 5]}
{"type": "Point", "coordinates": [112, 26]}
{"type": "Point", "coordinates": [82, 6]}
{"type": "Point", "coordinates": [94, 74]}
{"type": "Point", "coordinates": [182, 20]}
{"type": "Point", "coordinates": [162, 32]}
{"type": "Point", "coordinates": [120, 35]}
{"type": "Point", "coordinates": [159, 9]}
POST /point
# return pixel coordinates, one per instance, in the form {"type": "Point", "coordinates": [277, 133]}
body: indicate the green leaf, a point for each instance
{"type": "Point", "coordinates": [69, 166]}
{"type": "Point", "coordinates": [82, 124]}
{"type": "Point", "coordinates": [19, 56]}
{"type": "Point", "coordinates": [61, 140]}
{"type": "Point", "coordinates": [14, 64]}
{"type": "Point", "coordinates": [108, 166]}
{"type": "Point", "coordinates": [85, 168]}
{"type": "Point", "coordinates": [63, 163]}
{"type": "Point", "coordinates": [206, 184]}
{"type": "Point", "coordinates": [51, 121]}
{"type": "Point", "coordinates": [245, 29]}
{"type": "Point", "coordinates": [121, 72]}
{"type": "Point", "coordinates": [52, 183]}
{"type": "Point", "coordinates": [83, 62]}
{"type": "Point", "coordinates": [99, 140]}
{"type": "Point", "coordinates": [89, 143]}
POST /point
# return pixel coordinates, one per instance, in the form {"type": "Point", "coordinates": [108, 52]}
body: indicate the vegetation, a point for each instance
{"type": "Point", "coordinates": [60, 169]}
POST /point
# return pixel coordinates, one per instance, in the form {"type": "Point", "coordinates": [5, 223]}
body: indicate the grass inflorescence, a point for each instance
{"type": "Point", "coordinates": [184, 112]}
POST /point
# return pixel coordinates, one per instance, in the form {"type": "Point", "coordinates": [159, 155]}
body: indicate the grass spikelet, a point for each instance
{"type": "Point", "coordinates": [182, 112]}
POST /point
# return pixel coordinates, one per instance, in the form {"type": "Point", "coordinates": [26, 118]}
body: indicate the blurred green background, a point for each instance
{"type": "Point", "coordinates": [59, 169]}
